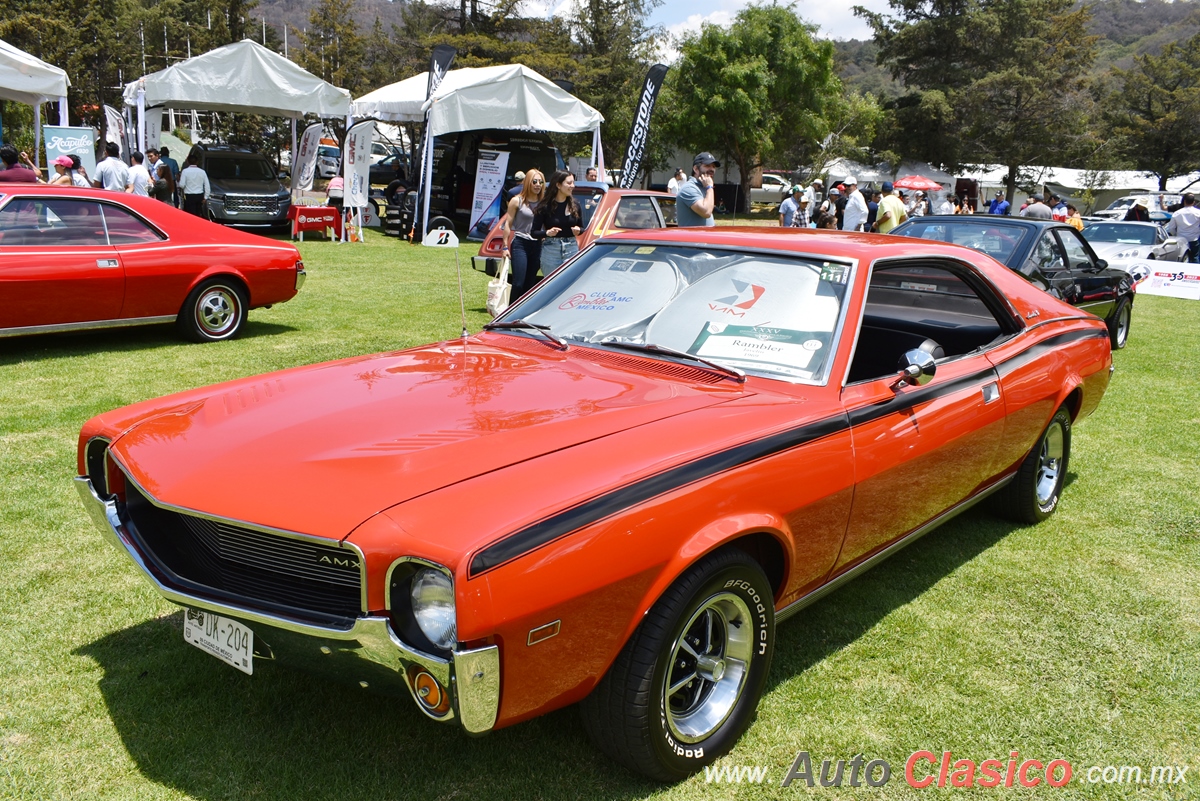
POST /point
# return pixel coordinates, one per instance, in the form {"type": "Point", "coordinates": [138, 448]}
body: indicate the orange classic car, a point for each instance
{"type": "Point", "coordinates": [74, 259]}
{"type": "Point", "coordinates": [611, 495]}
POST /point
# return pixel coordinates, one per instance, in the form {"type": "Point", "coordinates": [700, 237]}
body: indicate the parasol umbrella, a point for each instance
{"type": "Point", "coordinates": [917, 182]}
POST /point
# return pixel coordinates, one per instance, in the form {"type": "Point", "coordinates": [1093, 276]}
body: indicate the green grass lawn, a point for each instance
{"type": "Point", "coordinates": [1076, 639]}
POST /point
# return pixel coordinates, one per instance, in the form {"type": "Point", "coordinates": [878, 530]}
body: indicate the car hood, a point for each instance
{"type": "Point", "coordinates": [319, 450]}
{"type": "Point", "coordinates": [1106, 250]}
{"type": "Point", "coordinates": [241, 186]}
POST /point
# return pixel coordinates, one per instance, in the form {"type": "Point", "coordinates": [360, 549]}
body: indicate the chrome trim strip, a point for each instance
{"type": "Point", "coordinates": [862, 567]}
{"type": "Point", "coordinates": [60, 327]}
{"type": "Point", "coordinates": [278, 532]}
{"type": "Point", "coordinates": [368, 649]}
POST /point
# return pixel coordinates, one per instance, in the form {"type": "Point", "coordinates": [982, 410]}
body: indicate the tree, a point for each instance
{"type": "Point", "coordinates": [754, 92]}
{"type": "Point", "coordinates": [1155, 114]}
{"type": "Point", "coordinates": [332, 47]}
{"type": "Point", "coordinates": [1010, 74]}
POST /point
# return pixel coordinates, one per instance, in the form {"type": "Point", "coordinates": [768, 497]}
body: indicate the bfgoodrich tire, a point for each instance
{"type": "Point", "coordinates": [1119, 322]}
{"type": "Point", "coordinates": [1033, 494]}
{"type": "Point", "coordinates": [688, 682]}
{"type": "Point", "coordinates": [214, 311]}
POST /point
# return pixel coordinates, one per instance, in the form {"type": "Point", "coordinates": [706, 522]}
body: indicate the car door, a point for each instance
{"type": "Point", "coordinates": [920, 450]}
{"type": "Point", "coordinates": [1093, 289]}
{"type": "Point", "coordinates": [56, 266]}
{"type": "Point", "coordinates": [156, 279]}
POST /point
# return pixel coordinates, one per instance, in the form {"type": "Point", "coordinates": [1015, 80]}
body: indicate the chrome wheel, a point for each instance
{"type": "Point", "coordinates": [708, 667]}
{"type": "Point", "coordinates": [1050, 463]}
{"type": "Point", "coordinates": [217, 311]}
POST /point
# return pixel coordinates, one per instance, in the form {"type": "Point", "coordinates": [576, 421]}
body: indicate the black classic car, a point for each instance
{"type": "Point", "coordinates": [1051, 255]}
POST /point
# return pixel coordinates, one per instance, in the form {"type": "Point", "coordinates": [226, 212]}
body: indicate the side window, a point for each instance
{"type": "Point", "coordinates": [923, 305]}
{"type": "Point", "coordinates": [1046, 256]}
{"type": "Point", "coordinates": [636, 212]}
{"type": "Point", "coordinates": [1077, 254]}
{"type": "Point", "coordinates": [126, 229]}
{"type": "Point", "coordinates": [35, 222]}
{"type": "Point", "coordinates": [666, 205]}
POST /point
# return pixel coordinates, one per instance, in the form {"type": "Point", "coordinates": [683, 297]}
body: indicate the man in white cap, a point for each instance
{"type": "Point", "coordinates": [815, 193]}
{"type": "Point", "coordinates": [855, 214]}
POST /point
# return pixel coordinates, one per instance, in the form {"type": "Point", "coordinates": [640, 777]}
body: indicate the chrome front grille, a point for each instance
{"type": "Point", "coordinates": [236, 564]}
{"type": "Point", "coordinates": [253, 204]}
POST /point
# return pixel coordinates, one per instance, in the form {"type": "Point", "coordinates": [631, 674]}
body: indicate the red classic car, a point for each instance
{"type": "Point", "coordinates": [605, 211]}
{"type": "Point", "coordinates": [85, 258]}
{"type": "Point", "coordinates": [612, 494]}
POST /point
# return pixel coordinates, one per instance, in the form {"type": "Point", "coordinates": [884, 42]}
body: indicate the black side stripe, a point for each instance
{"type": "Point", "coordinates": [1045, 346]}
{"type": "Point", "coordinates": [563, 523]}
{"type": "Point", "coordinates": [559, 525]}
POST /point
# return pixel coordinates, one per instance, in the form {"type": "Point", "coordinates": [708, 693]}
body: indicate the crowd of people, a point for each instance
{"type": "Point", "coordinates": [151, 174]}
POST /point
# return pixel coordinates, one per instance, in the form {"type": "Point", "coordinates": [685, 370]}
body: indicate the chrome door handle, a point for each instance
{"type": "Point", "coordinates": [105, 264]}
{"type": "Point", "coordinates": [991, 392]}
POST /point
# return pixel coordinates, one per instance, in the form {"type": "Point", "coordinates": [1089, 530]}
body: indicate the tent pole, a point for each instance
{"type": "Point", "coordinates": [427, 174]}
{"type": "Point", "coordinates": [37, 133]}
{"type": "Point", "coordinates": [141, 107]}
{"type": "Point", "coordinates": [62, 111]}
{"type": "Point", "coordinates": [292, 166]}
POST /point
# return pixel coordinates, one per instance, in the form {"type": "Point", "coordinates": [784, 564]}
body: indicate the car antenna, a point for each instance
{"type": "Point", "coordinates": [446, 238]}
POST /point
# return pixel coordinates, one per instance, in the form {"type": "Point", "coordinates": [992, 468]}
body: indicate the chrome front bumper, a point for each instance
{"type": "Point", "coordinates": [368, 653]}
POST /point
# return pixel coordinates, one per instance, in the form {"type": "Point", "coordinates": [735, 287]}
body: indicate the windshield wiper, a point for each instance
{"type": "Point", "coordinates": [731, 372]}
{"type": "Point", "coordinates": [525, 325]}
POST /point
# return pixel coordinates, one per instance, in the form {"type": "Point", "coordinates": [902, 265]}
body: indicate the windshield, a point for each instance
{"type": "Point", "coordinates": [1125, 234]}
{"type": "Point", "coordinates": [998, 241]}
{"type": "Point", "coordinates": [765, 314]}
{"type": "Point", "coordinates": [248, 168]}
{"type": "Point", "coordinates": [588, 200]}
{"type": "Point", "coordinates": [329, 151]}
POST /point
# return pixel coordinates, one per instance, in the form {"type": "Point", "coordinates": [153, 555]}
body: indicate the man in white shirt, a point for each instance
{"type": "Point", "coordinates": [111, 173]}
{"type": "Point", "coordinates": [1185, 223]}
{"type": "Point", "coordinates": [676, 180]}
{"type": "Point", "coordinates": [815, 193]}
{"type": "Point", "coordinates": [138, 182]}
{"type": "Point", "coordinates": [193, 184]}
{"type": "Point", "coordinates": [855, 215]}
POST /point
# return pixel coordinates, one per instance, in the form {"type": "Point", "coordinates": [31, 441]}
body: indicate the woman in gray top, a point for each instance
{"type": "Point", "coordinates": [524, 251]}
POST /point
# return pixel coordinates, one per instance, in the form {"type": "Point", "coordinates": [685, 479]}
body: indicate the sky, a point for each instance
{"type": "Point", "coordinates": [835, 20]}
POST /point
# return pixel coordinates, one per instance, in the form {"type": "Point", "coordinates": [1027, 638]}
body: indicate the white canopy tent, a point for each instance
{"type": "Point", "coordinates": [505, 96]}
{"type": "Point", "coordinates": [27, 79]}
{"type": "Point", "coordinates": [243, 76]}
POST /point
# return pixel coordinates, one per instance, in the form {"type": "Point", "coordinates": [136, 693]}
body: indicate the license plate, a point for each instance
{"type": "Point", "coordinates": [226, 639]}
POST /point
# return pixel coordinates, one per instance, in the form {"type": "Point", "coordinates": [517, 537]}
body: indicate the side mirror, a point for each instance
{"type": "Point", "coordinates": [917, 368]}
{"type": "Point", "coordinates": [1101, 264]}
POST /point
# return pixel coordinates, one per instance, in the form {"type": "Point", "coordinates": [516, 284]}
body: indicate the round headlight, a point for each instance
{"type": "Point", "coordinates": [433, 606]}
{"type": "Point", "coordinates": [1132, 253]}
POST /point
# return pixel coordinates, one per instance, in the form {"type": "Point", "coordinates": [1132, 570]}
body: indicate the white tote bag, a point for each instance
{"type": "Point", "coordinates": [499, 290]}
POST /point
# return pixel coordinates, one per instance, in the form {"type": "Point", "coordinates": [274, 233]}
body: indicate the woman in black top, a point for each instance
{"type": "Point", "coordinates": [558, 221]}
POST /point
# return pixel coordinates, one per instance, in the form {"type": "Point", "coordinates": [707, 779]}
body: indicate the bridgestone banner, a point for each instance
{"type": "Point", "coordinates": [439, 64]}
{"type": "Point", "coordinates": [639, 133]}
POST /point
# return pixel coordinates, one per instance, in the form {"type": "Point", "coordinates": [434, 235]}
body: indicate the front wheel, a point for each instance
{"type": "Point", "coordinates": [214, 311]}
{"type": "Point", "coordinates": [1033, 494]}
{"type": "Point", "coordinates": [1118, 324]}
{"type": "Point", "coordinates": [688, 682]}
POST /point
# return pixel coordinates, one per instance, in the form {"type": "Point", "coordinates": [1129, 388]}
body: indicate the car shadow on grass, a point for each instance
{"type": "Point", "coordinates": [44, 347]}
{"type": "Point", "coordinates": [194, 724]}
{"type": "Point", "coordinates": [191, 723]}
{"type": "Point", "coordinates": [842, 617]}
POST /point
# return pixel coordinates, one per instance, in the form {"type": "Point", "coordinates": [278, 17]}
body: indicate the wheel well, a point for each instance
{"type": "Point", "coordinates": [1074, 402]}
{"type": "Point", "coordinates": [768, 552]}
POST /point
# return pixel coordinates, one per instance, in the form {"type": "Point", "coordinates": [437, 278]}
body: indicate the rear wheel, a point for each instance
{"type": "Point", "coordinates": [214, 311]}
{"type": "Point", "coordinates": [1118, 323]}
{"type": "Point", "coordinates": [688, 682]}
{"type": "Point", "coordinates": [1033, 494]}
